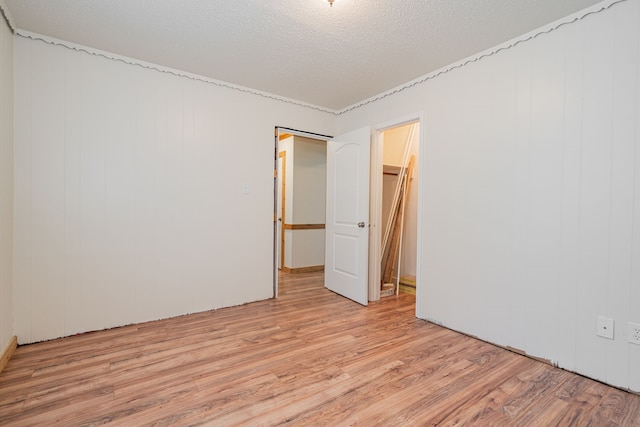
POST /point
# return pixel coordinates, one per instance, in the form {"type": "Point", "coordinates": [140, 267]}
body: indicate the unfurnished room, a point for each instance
{"type": "Point", "coordinates": [320, 212]}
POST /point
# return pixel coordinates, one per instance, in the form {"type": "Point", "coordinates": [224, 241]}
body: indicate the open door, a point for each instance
{"type": "Point", "coordinates": [347, 219]}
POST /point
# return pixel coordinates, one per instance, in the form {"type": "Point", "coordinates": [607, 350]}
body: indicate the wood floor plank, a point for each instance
{"type": "Point", "coordinates": [347, 407]}
{"type": "Point", "coordinates": [309, 357]}
{"type": "Point", "coordinates": [613, 409]}
{"type": "Point", "coordinates": [532, 384]}
{"type": "Point", "coordinates": [462, 378]}
{"type": "Point", "coordinates": [509, 403]}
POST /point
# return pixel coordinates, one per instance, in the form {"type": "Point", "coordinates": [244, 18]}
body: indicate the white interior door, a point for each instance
{"type": "Point", "coordinates": [347, 221]}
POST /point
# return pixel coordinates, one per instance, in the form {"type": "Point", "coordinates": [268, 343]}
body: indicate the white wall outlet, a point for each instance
{"type": "Point", "coordinates": [634, 333]}
{"type": "Point", "coordinates": [245, 188]}
{"type": "Point", "coordinates": [605, 327]}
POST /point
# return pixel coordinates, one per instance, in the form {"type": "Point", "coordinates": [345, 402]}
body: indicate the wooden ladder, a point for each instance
{"type": "Point", "coordinates": [394, 243]}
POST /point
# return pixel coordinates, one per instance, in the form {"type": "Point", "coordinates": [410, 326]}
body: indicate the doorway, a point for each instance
{"type": "Point", "coordinates": [300, 197]}
{"type": "Point", "coordinates": [406, 265]}
{"type": "Point", "coordinates": [394, 248]}
{"type": "Point", "coordinates": [400, 146]}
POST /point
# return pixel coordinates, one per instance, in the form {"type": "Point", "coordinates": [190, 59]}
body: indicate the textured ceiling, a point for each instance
{"type": "Point", "coordinates": [302, 49]}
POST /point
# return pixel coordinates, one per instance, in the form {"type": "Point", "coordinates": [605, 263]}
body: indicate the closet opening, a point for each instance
{"type": "Point", "coordinates": [395, 175]}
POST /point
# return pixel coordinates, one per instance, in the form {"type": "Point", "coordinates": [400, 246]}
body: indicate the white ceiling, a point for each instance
{"type": "Point", "coordinates": [302, 49]}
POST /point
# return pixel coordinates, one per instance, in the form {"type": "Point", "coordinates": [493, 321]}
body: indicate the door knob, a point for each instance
{"type": "Point", "coordinates": [361, 224]}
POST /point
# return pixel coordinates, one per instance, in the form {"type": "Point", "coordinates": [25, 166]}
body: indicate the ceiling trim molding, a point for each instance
{"type": "Point", "coordinates": [6, 14]}
{"type": "Point", "coordinates": [571, 19]}
{"type": "Point", "coordinates": [167, 70]}
{"type": "Point", "coordinates": [546, 29]}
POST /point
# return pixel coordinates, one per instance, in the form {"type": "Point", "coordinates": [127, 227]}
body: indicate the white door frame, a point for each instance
{"type": "Point", "coordinates": [375, 203]}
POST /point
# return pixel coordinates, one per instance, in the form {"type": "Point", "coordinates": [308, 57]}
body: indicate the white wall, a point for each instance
{"type": "Point", "coordinates": [309, 195]}
{"type": "Point", "coordinates": [6, 182]}
{"type": "Point", "coordinates": [530, 193]}
{"type": "Point", "coordinates": [128, 192]}
{"type": "Point", "coordinates": [306, 179]}
{"type": "Point", "coordinates": [310, 184]}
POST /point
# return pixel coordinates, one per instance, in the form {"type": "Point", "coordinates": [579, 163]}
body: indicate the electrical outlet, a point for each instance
{"type": "Point", "coordinates": [634, 333]}
{"type": "Point", "coordinates": [605, 327]}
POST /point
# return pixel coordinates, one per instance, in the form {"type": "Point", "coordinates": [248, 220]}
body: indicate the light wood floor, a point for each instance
{"type": "Point", "coordinates": [308, 358]}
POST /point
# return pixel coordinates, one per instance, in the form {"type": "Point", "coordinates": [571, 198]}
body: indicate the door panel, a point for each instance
{"type": "Point", "coordinates": [347, 229]}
